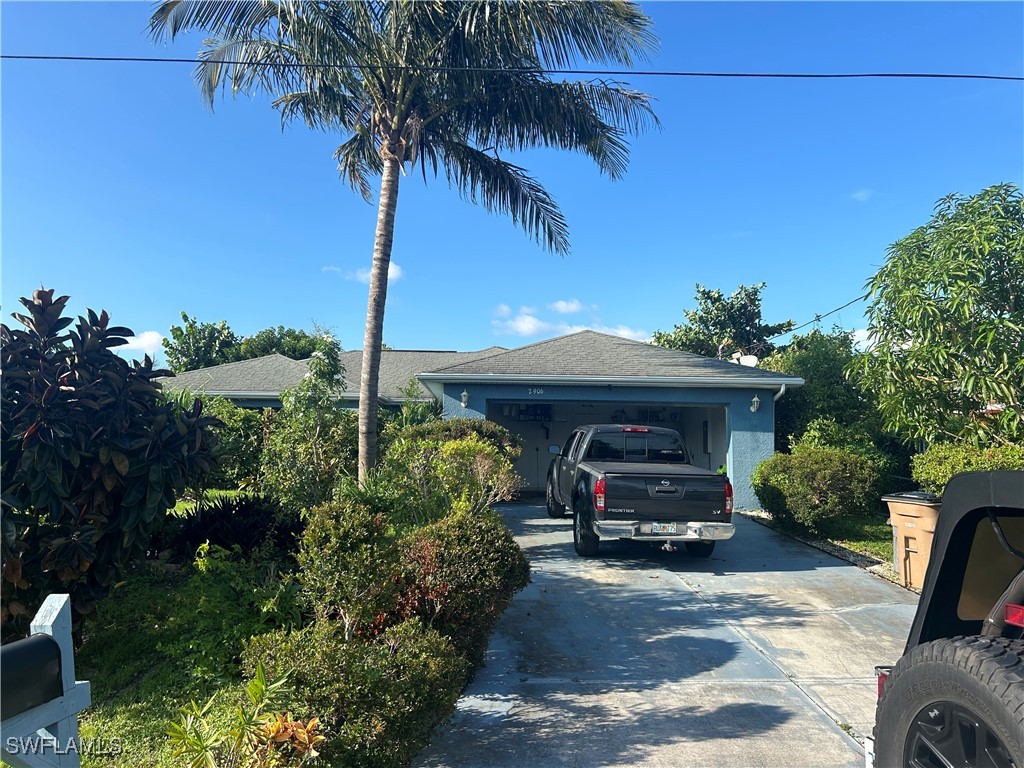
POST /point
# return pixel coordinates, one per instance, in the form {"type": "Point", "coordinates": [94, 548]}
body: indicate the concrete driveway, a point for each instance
{"type": "Point", "coordinates": [761, 655]}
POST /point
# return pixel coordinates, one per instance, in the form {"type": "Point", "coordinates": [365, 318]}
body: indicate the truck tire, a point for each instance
{"type": "Point", "coordinates": [955, 701]}
{"type": "Point", "coordinates": [555, 509]}
{"type": "Point", "coordinates": [584, 540]}
{"type": "Point", "coordinates": [699, 548]}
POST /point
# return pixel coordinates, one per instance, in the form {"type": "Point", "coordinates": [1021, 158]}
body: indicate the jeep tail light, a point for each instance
{"type": "Point", "coordinates": [728, 497]}
{"type": "Point", "coordinates": [599, 487]}
{"type": "Point", "coordinates": [882, 675]}
{"type": "Point", "coordinates": [1014, 614]}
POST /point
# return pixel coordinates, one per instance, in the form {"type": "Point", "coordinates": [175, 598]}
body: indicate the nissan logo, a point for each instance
{"type": "Point", "coordinates": [665, 482]}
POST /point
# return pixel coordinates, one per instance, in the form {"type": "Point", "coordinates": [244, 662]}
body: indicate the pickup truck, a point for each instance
{"type": "Point", "coordinates": [637, 482]}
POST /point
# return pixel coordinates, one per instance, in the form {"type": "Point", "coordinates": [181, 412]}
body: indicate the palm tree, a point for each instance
{"type": "Point", "coordinates": [447, 86]}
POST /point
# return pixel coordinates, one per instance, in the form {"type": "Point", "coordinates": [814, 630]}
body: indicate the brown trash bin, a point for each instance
{"type": "Point", "coordinates": [913, 516]}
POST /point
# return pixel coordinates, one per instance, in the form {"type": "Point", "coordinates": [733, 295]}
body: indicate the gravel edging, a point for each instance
{"type": "Point", "coordinates": [872, 565]}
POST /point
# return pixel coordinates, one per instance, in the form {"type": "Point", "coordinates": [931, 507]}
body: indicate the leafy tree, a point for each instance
{"type": "Point", "coordinates": [199, 345]}
{"type": "Point", "coordinates": [93, 455]}
{"type": "Point", "coordinates": [449, 87]}
{"type": "Point", "coordinates": [946, 321]}
{"type": "Point", "coordinates": [820, 359]}
{"type": "Point", "coordinates": [721, 325]}
{"type": "Point", "coordinates": [296, 344]}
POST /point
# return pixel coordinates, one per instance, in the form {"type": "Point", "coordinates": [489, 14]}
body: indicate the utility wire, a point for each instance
{"type": "Point", "coordinates": [616, 73]}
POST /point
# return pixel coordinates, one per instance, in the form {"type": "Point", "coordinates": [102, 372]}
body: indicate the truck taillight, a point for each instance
{"type": "Point", "coordinates": [728, 497]}
{"type": "Point", "coordinates": [882, 675]}
{"type": "Point", "coordinates": [1014, 614]}
{"type": "Point", "coordinates": [599, 487]}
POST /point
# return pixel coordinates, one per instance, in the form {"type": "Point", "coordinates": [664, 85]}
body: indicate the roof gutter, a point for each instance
{"type": "Point", "coordinates": [430, 379]}
{"type": "Point", "coordinates": [780, 393]}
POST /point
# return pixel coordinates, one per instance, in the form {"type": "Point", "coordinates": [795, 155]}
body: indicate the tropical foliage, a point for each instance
{"type": "Point", "coordinates": [447, 88]}
{"type": "Point", "coordinates": [721, 326]}
{"type": "Point", "coordinates": [946, 323]}
{"type": "Point", "coordinates": [193, 345]}
{"type": "Point", "coordinates": [93, 456]}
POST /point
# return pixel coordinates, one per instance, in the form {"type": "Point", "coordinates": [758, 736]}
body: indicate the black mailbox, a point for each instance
{"type": "Point", "coordinates": [30, 671]}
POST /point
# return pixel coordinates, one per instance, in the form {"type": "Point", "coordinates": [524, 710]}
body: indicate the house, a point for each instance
{"type": "Point", "coordinates": [725, 411]}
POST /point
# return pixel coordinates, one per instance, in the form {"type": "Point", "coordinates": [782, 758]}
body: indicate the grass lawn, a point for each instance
{"type": "Point", "coordinates": [161, 638]}
{"type": "Point", "coordinates": [870, 536]}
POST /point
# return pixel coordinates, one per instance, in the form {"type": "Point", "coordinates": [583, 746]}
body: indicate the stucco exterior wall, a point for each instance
{"type": "Point", "coordinates": [749, 436]}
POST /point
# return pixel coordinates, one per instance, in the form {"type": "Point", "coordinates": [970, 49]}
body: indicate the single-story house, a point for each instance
{"type": "Point", "coordinates": [725, 411]}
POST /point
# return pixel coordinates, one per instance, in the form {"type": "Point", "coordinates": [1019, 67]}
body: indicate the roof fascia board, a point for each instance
{"type": "Point", "coordinates": [641, 381]}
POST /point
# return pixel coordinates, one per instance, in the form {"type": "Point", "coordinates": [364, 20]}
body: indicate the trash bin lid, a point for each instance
{"type": "Point", "coordinates": [913, 497]}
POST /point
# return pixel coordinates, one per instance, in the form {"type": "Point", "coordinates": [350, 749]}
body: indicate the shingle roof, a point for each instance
{"type": "Point", "coordinates": [270, 374]}
{"type": "Point", "coordinates": [398, 366]}
{"type": "Point", "coordinates": [593, 354]}
{"type": "Point", "coordinates": [266, 375]}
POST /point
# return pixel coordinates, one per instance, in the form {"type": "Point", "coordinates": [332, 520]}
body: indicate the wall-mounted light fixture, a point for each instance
{"type": "Point", "coordinates": [755, 404]}
{"type": "Point", "coordinates": [465, 398]}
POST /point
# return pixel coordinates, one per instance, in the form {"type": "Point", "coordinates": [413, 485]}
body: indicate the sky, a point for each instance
{"type": "Point", "coordinates": [119, 187]}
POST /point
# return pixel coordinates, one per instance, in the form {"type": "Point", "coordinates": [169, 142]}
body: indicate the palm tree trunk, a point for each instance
{"type": "Point", "coordinates": [375, 316]}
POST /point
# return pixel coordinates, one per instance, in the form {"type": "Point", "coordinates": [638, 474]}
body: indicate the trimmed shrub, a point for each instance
{"type": "Point", "coordinates": [464, 475]}
{"type": "Point", "coordinates": [934, 468]}
{"type": "Point", "coordinates": [350, 570]}
{"type": "Point", "coordinates": [889, 456]}
{"type": "Point", "coordinates": [817, 485]}
{"type": "Point", "coordinates": [510, 445]}
{"type": "Point", "coordinates": [463, 573]}
{"type": "Point", "coordinates": [768, 481]}
{"type": "Point", "coordinates": [377, 700]}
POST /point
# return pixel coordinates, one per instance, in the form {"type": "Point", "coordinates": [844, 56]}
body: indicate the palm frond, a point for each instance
{"type": "Point", "coordinates": [358, 158]}
{"type": "Point", "coordinates": [171, 17]}
{"type": "Point", "coordinates": [507, 188]}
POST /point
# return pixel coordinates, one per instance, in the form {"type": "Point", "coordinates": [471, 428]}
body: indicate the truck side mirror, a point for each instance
{"type": "Point", "coordinates": [555, 450]}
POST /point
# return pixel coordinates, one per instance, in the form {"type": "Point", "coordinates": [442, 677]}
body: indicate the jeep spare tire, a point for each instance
{"type": "Point", "coordinates": [954, 702]}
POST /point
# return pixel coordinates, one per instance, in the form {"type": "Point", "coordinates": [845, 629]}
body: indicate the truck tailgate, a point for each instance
{"type": "Point", "coordinates": [662, 492]}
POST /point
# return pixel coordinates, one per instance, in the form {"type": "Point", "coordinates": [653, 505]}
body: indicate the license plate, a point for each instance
{"type": "Point", "coordinates": [663, 528]}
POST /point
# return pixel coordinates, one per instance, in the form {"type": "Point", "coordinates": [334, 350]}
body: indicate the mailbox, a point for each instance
{"type": "Point", "coordinates": [30, 669]}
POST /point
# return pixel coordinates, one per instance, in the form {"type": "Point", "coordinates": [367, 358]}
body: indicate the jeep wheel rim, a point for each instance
{"type": "Point", "coordinates": [945, 734]}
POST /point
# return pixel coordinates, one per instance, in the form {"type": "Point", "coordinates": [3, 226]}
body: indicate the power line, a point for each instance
{"type": "Point", "coordinates": [616, 73]}
{"type": "Point", "coordinates": [818, 318]}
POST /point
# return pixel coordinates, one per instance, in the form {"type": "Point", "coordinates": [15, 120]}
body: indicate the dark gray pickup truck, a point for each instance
{"type": "Point", "coordinates": [635, 482]}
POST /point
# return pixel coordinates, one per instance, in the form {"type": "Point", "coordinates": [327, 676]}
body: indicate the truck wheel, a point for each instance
{"type": "Point", "coordinates": [584, 540]}
{"type": "Point", "coordinates": [554, 508]}
{"type": "Point", "coordinates": [956, 701]}
{"type": "Point", "coordinates": [699, 548]}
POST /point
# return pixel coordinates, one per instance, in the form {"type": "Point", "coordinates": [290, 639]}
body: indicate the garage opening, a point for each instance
{"type": "Point", "coordinates": [541, 424]}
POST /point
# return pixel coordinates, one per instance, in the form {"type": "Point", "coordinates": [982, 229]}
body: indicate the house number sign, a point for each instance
{"type": "Point", "coordinates": [534, 391]}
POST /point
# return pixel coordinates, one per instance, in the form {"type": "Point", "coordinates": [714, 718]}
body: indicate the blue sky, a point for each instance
{"type": "Point", "coordinates": [121, 189]}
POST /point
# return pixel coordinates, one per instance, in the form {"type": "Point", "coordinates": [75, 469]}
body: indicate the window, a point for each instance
{"type": "Point", "coordinates": [653, 447]}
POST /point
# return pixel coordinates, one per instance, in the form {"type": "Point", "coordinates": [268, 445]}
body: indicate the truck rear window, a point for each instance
{"type": "Point", "coordinates": [666, 449]}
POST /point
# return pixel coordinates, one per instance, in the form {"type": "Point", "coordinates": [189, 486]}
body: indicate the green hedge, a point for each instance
{"type": "Point", "coordinates": [464, 571]}
{"type": "Point", "coordinates": [933, 469]}
{"type": "Point", "coordinates": [814, 485]}
{"type": "Point", "coordinates": [510, 445]}
{"type": "Point", "coordinates": [378, 700]}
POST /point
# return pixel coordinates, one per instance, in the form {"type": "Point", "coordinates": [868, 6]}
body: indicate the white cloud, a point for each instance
{"type": "Point", "coordinates": [523, 324]}
{"type": "Point", "coordinates": [526, 324]}
{"type": "Point", "coordinates": [395, 272]}
{"type": "Point", "coordinates": [330, 268]}
{"type": "Point", "coordinates": [862, 195]}
{"type": "Point", "coordinates": [503, 310]}
{"type": "Point", "coordinates": [862, 339]}
{"type": "Point", "coordinates": [147, 342]}
{"type": "Point", "coordinates": [566, 307]}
